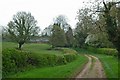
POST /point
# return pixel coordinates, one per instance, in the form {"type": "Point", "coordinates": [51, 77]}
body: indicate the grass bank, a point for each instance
{"type": "Point", "coordinates": [62, 71]}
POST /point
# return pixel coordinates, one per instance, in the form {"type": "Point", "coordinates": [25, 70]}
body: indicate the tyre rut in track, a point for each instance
{"type": "Point", "coordinates": [93, 69]}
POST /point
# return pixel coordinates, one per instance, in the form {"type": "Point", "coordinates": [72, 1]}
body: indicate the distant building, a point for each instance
{"type": "Point", "coordinates": [39, 40]}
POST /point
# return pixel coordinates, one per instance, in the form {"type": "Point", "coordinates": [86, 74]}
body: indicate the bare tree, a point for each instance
{"type": "Point", "coordinates": [62, 21]}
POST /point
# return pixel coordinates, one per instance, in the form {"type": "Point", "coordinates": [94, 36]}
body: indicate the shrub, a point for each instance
{"type": "Point", "coordinates": [70, 57]}
{"type": "Point", "coordinates": [45, 60]}
{"type": "Point", "coordinates": [33, 59]}
{"type": "Point", "coordinates": [61, 60]}
{"type": "Point", "coordinates": [107, 51]}
{"type": "Point", "coordinates": [16, 60]}
{"type": "Point", "coordinates": [52, 59]}
{"type": "Point", "coordinates": [69, 54]}
{"type": "Point", "coordinates": [68, 51]}
{"type": "Point", "coordinates": [13, 60]}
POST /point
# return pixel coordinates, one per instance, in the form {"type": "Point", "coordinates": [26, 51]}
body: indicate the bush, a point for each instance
{"type": "Point", "coordinates": [45, 60]}
{"type": "Point", "coordinates": [107, 51]}
{"type": "Point", "coordinates": [70, 57]}
{"type": "Point", "coordinates": [68, 51]}
{"type": "Point", "coordinates": [61, 60]}
{"type": "Point", "coordinates": [56, 60]}
{"type": "Point", "coordinates": [69, 54]}
{"type": "Point", "coordinates": [16, 60]}
{"type": "Point", "coordinates": [13, 60]}
{"type": "Point", "coordinates": [33, 59]}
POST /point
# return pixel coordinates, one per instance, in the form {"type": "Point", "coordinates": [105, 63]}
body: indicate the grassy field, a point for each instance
{"type": "Point", "coordinates": [36, 48]}
{"type": "Point", "coordinates": [63, 71]}
{"type": "Point", "coordinates": [110, 63]}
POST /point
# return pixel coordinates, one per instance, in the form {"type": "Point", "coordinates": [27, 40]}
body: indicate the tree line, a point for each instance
{"type": "Point", "coordinates": [97, 27]}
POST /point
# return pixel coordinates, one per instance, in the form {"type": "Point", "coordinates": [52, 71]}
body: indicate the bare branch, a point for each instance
{"type": "Point", "coordinates": [101, 11]}
{"type": "Point", "coordinates": [105, 5]}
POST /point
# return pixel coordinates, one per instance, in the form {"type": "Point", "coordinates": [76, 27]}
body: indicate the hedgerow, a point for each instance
{"type": "Point", "coordinates": [16, 60]}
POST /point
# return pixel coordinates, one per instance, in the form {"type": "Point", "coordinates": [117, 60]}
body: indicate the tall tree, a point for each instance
{"type": "Point", "coordinates": [22, 27]}
{"type": "Point", "coordinates": [69, 37]}
{"type": "Point", "coordinates": [58, 38]}
{"type": "Point", "coordinates": [112, 23]}
{"type": "Point", "coordinates": [98, 36]}
{"type": "Point", "coordinates": [84, 26]}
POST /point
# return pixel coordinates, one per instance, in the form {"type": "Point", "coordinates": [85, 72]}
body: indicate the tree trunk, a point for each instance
{"type": "Point", "coordinates": [20, 44]}
{"type": "Point", "coordinates": [118, 53]}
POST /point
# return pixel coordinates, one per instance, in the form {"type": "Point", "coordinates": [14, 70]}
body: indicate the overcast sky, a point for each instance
{"type": "Point", "coordinates": [43, 10]}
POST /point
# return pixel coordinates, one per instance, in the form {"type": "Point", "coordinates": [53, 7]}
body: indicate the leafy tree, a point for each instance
{"type": "Point", "coordinates": [92, 27]}
{"type": "Point", "coordinates": [69, 37]}
{"type": "Point", "coordinates": [58, 38]}
{"type": "Point", "coordinates": [80, 39]}
{"type": "Point", "coordinates": [112, 23]}
{"type": "Point", "coordinates": [98, 40]}
{"type": "Point", "coordinates": [22, 27]}
{"type": "Point", "coordinates": [84, 26]}
{"type": "Point", "coordinates": [98, 36]}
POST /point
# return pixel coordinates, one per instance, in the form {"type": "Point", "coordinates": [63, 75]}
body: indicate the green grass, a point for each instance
{"type": "Point", "coordinates": [9, 45]}
{"type": "Point", "coordinates": [110, 65]}
{"type": "Point", "coordinates": [63, 71]}
{"type": "Point", "coordinates": [36, 48]}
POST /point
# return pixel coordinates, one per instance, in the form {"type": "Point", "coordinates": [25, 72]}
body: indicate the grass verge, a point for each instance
{"type": "Point", "coordinates": [110, 65]}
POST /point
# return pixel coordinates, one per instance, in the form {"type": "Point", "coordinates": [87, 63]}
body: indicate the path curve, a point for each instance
{"type": "Point", "coordinates": [93, 69]}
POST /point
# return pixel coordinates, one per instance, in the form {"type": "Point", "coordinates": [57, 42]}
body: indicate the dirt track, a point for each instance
{"type": "Point", "coordinates": [93, 69]}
